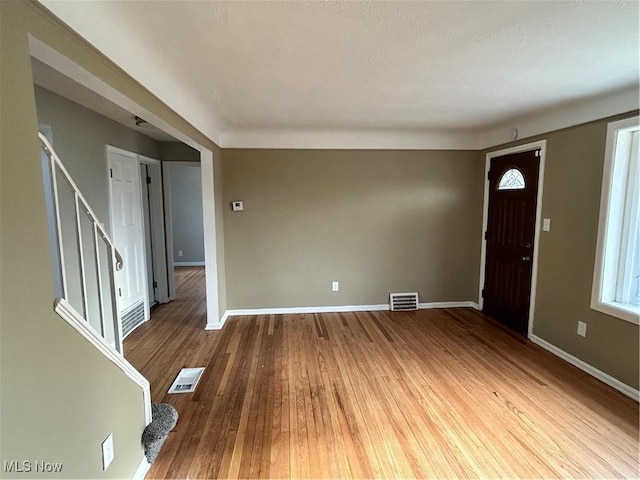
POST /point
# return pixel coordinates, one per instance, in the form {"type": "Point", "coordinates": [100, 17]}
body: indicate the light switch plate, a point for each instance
{"type": "Point", "coordinates": [335, 286]}
{"type": "Point", "coordinates": [237, 206]}
{"type": "Point", "coordinates": [582, 329]}
{"type": "Point", "coordinates": [107, 452]}
{"type": "Point", "coordinates": [546, 225]}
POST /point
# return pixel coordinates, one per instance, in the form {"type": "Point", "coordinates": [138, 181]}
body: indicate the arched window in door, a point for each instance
{"type": "Point", "coordinates": [512, 179]}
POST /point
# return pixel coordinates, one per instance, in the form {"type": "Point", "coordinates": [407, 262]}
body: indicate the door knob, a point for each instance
{"type": "Point", "coordinates": [526, 258]}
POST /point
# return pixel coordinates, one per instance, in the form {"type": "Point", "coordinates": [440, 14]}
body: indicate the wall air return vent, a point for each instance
{"type": "Point", "coordinates": [404, 301]}
{"type": "Point", "coordinates": [132, 319]}
{"type": "Point", "coordinates": [187, 380]}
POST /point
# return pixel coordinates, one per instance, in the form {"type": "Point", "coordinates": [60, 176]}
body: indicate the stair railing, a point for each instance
{"type": "Point", "coordinates": [100, 237]}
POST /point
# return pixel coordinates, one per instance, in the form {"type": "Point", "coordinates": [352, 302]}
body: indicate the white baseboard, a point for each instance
{"type": "Point", "coordinates": [330, 309]}
{"type": "Point", "coordinates": [591, 370]}
{"type": "Point", "coordinates": [290, 310]}
{"type": "Point", "coordinates": [142, 469]}
{"type": "Point", "coordinates": [220, 324]}
{"type": "Point", "coordinates": [188, 264]}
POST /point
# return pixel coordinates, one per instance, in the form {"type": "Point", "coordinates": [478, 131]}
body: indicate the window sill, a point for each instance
{"type": "Point", "coordinates": [628, 313]}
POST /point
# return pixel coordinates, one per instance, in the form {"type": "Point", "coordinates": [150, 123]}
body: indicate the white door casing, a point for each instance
{"type": "Point", "coordinates": [214, 320]}
{"type": "Point", "coordinates": [127, 228]}
{"type": "Point", "coordinates": [542, 145]}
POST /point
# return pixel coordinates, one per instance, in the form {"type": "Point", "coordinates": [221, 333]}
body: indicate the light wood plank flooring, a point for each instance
{"type": "Point", "coordinates": [435, 393]}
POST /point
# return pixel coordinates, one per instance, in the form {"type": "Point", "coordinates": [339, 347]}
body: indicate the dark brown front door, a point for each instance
{"type": "Point", "coordinates": [511, 220]}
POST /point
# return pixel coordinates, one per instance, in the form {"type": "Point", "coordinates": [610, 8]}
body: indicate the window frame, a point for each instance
{"type": "Point", "coordinates": [612, 224]}
{"type": "Point", "coordinates": [504, 174]}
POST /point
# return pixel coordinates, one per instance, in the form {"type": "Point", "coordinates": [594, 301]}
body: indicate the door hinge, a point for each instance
{"type": "Point", "coordinates": [486, 235]}
{"type": "Point", "coordinates": [489, 175]}
{"type": "Point", "coordinates": [120, 292]}
{"type": "Point", "coordinates": [482, 293]}
{"type": "Point", "coordinates": [148, 180]}
{"type": "Point", "coordinates": [155, 284]}
{"type": "Point", "coordinates": [111, 172]}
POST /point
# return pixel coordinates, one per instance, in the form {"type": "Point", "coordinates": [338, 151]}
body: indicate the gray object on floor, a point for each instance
{"type": "Point", "coordinates": [164, 418]}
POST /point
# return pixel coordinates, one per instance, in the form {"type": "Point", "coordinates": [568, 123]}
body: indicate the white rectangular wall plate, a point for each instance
{"type": "Point", "coordinates": [546, 225]}
{"type": "Point", "coordinates": [237, 205]}
{"type": "Point", "coordinates": [335, 286]}
{"type": "Point", "coordinates": [582, 329]}
{"type": "Point", "coordinates": [107, 451]}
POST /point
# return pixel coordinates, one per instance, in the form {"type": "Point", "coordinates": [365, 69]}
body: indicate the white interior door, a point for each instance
{"type": "Point", "coordinates": [127, 231]}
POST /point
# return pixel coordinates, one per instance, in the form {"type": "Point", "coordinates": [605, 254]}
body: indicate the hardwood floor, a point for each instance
{"type": "Point", "coordinates": [434, 393]}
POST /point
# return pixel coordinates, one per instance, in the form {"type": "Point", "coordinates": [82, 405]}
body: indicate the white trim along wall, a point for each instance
{"type": "Point", "coordinates": [542, 145]}
{"type": "Point", "coordinates": [333, 309]}
{"type": "Point", "coordinates": [585, 367]}
{"type": "Point", "coordinates": [142, 470]}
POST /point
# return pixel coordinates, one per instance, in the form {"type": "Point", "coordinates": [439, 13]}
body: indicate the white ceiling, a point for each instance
{"type": "Point", "coordinates": [245, 71]}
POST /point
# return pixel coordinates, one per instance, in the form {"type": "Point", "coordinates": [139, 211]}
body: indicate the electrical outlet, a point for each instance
{"type": "Point", "coordinates": [335, 286]}
{"type": "Point", "coordinates": [179, 253]}
{"type": "Point", "coordinates": [582, 329]}
{"type": "Point", "coordinates": [107, 452]}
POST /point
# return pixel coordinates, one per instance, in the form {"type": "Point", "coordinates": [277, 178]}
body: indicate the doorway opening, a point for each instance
{"type": "Point", "coordinates": [511, 233]}
{"type": "Point", "coordinates": [183, 217]}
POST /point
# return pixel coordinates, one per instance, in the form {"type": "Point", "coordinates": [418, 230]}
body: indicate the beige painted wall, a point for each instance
{"type": "Point", "coordinates": [571, 199]}
{"type": "Point", "coordinates": [59, 397]}
{"type": "Point", "coordinates": [376, 221]}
